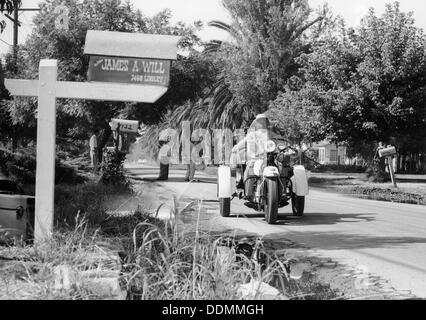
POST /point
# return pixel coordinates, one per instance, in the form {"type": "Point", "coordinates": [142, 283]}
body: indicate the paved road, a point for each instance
{"type": "Point", "coordinates": [387, 238]}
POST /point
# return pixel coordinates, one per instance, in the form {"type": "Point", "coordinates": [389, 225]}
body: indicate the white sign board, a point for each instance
{"type": "Point", "coordinates": [130, 126]}
{"type": "Point", "coordinates": [387, 152]}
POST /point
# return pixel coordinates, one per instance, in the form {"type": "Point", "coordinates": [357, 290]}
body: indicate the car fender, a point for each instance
{"type": "Point", "coordinates": [300, 181]}
{"type": "Point", "coordinates": [9, 223]}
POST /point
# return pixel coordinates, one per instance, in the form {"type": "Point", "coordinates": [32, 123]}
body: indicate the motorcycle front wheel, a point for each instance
{"type": "Point", "coordinates": [239, 177]}
{"type": "Point", "coordinates": [298, 205]}
{"type": "Point", "coordinates": [271, 201]}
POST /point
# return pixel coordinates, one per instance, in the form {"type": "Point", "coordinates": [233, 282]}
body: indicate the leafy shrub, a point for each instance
{"type": "Point", "coordinates": [21, 167]}
{"type": "Point", "coordinates": [112, 168]}
{"type": "Point", "coordinates": [376, 172]}
{"type": "Point", "coordinates": [67, 174]}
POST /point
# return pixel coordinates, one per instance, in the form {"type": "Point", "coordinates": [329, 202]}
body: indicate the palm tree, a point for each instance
{"type": "Point", "coordinates": [270, 35]}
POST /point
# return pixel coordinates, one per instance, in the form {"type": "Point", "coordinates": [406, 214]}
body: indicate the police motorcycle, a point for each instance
{"type": "Point", "coordinates": [267, 183]}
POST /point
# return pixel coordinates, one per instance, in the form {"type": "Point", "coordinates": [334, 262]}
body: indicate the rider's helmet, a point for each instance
{"type": "Point", "coordinates": [261, 122]}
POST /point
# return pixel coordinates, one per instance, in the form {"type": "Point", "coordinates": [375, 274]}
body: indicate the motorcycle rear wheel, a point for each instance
{"type": "Point", "coordinates": [271, 201]}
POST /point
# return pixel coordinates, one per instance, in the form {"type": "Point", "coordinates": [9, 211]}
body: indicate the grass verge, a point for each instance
{"type": "Point", "coordinates": [411, 193]}
{"type": "Point", "coordinates": [157, 263]}
{"type": "Point", "coordinates": [383, 193]}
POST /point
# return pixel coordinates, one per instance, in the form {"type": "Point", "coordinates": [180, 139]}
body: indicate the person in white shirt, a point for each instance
{"type": "Point", "coordinates": [93, 143]}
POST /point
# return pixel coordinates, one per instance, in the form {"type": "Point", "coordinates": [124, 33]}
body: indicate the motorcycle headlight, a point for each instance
{"type": "Point", "coordinates": [270, 146]}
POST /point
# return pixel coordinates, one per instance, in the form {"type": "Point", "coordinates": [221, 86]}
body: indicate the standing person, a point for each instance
{"type": "Point", "coordinates": [190, 168]}
{"type": "Point", "coordinates": [164, 160]}
{"type": "Point", "coordinates": [93, 143]}
{"type": "Point", "coordinates": [190, 171]}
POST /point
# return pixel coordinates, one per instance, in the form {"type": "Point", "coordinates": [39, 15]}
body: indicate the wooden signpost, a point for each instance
{"type": "Point", "coordinates": [48, 89]}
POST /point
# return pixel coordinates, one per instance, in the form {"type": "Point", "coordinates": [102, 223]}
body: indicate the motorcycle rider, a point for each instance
{"type": "Point", "coordinates": [251, 148]}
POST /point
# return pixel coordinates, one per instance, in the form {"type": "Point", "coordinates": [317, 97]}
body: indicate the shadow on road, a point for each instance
{"type": "Point", "coordinates": [308, 219]}
{"type": "Point", "coordinates": [329, 218]}
{"type": "Point", "coordinates": [312, 218]}
{"type": "Point", "coordinates": [344, 241]}
{"type": "Point", "coordinates": [174, 179]}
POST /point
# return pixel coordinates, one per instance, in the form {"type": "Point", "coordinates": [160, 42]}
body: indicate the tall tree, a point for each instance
{"type": "Point", "coordinates": [393, 77]}
{"type": "Point", "coordinates": [67, 46]}
{"type": "Point", "coordinates": [253, 67]}
{"type": "Point", "coordinates": [371, 83]}
{"type": "Point", "coordinates": [298, 118]}
{"type": "Point", "coordinates": [6, 130]}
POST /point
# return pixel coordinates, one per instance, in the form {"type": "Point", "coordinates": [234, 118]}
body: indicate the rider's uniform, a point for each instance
{"type": "Point", "coordinates": [252, 149]}
{"type": "Point", "coordinates": [252, 146]}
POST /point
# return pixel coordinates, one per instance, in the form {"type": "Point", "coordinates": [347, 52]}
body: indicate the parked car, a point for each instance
{"type": "Point", "coordinates": [16, 212]}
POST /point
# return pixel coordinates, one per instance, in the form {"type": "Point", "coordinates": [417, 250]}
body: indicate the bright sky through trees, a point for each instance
{"type": "Point", "coordinates": [206, 10]}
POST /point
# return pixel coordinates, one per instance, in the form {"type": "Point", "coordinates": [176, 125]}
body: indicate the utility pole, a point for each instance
{"type": "Point", "coordinates": [16, 25]}
{"type": "Point", "coordinates": [15, 32]}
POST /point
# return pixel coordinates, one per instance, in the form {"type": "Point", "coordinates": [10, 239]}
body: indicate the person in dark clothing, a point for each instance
{"type": "Point", "coordinates": [164, 165]}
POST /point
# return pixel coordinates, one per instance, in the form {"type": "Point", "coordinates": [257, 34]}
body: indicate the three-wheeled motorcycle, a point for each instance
{"type": "Point", "coordinates": [266, 184]}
